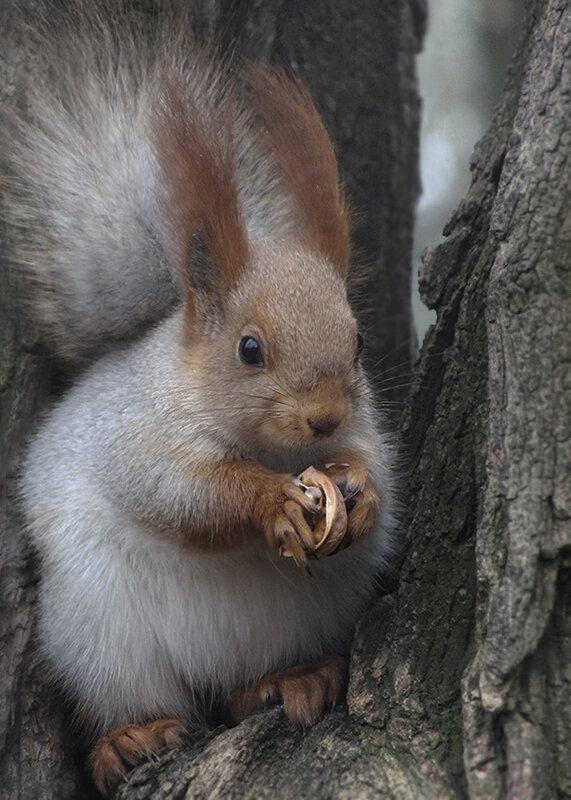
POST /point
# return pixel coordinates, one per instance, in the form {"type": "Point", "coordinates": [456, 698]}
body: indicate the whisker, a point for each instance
{"type": "Point", "coordinates": [279, 388]}
{"type": "Point", "coordinates": [390, 353]}
{"type": "Point", "coordinates": [270, 399]}
{"type": "Point", "coordinates": [373, 366]}
{"type": "Point", "coordinates": [396, 386]}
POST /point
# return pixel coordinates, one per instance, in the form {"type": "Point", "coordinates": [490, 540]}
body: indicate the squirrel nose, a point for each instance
{"type": "Point", "coordinates": [323, 426]}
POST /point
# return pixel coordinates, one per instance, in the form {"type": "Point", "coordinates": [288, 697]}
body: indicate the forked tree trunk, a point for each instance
{"type": "Point", "coordinates": [461, 684]}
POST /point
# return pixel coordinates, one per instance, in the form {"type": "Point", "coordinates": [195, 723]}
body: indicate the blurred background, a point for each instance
{"type": "Point", "coordinates": [461, 71]}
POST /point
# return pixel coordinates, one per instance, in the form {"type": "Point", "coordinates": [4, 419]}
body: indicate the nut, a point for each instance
{"type": "Point", "coordinates": [330, 526]}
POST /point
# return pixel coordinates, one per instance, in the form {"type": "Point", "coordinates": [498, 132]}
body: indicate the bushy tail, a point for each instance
{"type": "Point", "coordinates": [121, 141]}
{"type": "Point", "coordinates": [80, 182]}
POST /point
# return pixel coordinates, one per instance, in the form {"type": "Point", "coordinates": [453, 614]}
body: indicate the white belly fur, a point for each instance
{"type": "Point", "coordinates": [133, 624]}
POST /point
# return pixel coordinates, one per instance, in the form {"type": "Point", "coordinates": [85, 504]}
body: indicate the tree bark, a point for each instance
{"type": "Point", "coordinates": [460, 679]}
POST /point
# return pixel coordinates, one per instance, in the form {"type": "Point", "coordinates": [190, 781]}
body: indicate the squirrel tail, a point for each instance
{"type": "Point", "coordinates": [135, 171]}
{"type": "Point", "coordinates": [80, 182]}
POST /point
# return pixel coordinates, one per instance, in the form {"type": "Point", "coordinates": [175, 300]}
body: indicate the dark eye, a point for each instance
{"type": "Point", "coordinates": [360, 344]}
{"type": "Point", "coordinates": [250, 351]}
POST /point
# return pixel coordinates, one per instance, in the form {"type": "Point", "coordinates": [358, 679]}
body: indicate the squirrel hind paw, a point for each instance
{"type": "Point", "coordinates": [305, 691]}
{"type": "Point", "coordinates": [116, 754]}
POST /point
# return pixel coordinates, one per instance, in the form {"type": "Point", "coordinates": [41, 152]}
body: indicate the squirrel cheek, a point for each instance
{"type": "Point", "coordinates": [280, 428]}
{"type": "Point", "coordinates": [284, 428]}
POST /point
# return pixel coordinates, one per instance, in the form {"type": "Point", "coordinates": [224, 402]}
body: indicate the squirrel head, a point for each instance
{"type": "Point", "coordinates": [268, 327]}
{"type": "Point", "coordinates": [282, 359]}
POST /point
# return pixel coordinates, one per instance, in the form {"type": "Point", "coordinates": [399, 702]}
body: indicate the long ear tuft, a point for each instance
{"type": "Point", "coordinates": [298, 141]}
{"type": "Point", "coordinates": [194, 147]}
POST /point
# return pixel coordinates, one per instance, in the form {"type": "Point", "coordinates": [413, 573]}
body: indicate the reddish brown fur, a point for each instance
{"type": "Point", "coordinates": [306, 691]}
{"type": "Point", "coordinates": [297, 139]}
{"type": "Point", "coordinates": [117, 753]}
{"type": "Point", "coordinates": [194, 146]}
{"type": "Point", "coordinates": [274, 502]}
{"type": "Point", "coordinates": [326, 404]}
{"type": "Point", "coordinates": [348, 469]}
{"type": "Point", "coordinates": [251, 500]}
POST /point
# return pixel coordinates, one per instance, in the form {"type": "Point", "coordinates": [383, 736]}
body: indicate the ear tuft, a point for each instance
{"type": "Point", "coordinates": [193, 141]}
{"type": "Point", "coordinates": [296, 138]}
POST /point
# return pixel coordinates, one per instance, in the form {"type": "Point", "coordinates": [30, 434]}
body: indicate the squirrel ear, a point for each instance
{"type": "Point", "coordinates": [296, 138]}
{"type": "Point", "coordinates": [193, 141]}
{"type": "Point", "coordinates": [204, 282]}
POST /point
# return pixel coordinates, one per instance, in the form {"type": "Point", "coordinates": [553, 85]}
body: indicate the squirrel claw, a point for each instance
{"type": "Point", "coordinates": [360, 497]}
{"type": "Point", "coordinates": [306, 691]}
{"type": "Point", "coordinates": [116, 754]}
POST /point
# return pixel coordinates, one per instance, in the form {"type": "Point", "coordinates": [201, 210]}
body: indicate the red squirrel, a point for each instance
{"type": "Point", "coordinates": [180, 228]}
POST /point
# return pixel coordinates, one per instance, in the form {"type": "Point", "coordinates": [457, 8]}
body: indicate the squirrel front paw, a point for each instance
{"type": "Point", "coordinates": [280, 511]}
{"type": "Point", "coordinates": [361, 498]}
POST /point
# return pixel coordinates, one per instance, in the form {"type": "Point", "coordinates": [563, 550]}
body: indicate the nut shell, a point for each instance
{"type": "Point", "coordinates": [330, 526]}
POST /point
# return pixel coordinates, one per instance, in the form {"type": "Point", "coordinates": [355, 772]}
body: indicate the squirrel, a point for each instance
{"type": "Point", "coordinates": [182, 236]}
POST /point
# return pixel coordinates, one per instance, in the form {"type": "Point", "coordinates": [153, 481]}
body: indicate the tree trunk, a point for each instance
{"type": "Point", "coordinates": [460, 680]}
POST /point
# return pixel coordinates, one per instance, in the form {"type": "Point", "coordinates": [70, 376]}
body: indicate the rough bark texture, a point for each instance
{"type": "Point", "coordinates": [461, 679]}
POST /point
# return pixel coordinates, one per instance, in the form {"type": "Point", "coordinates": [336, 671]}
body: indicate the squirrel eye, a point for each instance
{"type": "Point", "coordinates": [360, 344]}
{"type": "Point", "coordinates": [250, 351]}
